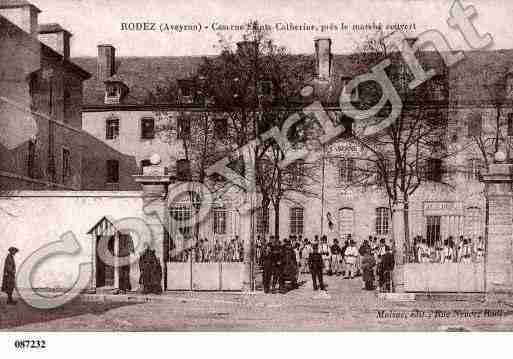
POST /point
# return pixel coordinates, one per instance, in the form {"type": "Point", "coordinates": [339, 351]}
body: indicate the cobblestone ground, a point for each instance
{"type": "Point", "coordinates": [345, 307]}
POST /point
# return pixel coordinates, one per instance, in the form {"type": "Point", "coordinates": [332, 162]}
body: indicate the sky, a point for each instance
{"type": "Point", "coordinates": [93, 22]}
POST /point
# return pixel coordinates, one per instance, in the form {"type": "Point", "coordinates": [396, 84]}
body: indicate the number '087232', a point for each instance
{"type": "Point", "coordinates": [30, 344]}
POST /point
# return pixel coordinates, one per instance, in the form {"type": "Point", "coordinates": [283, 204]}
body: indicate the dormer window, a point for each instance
{"type": "Point", "coordinates": [186, 90]}
{"type": "Point", "coordinates": [112, 91]}
{"type": "Point", "coordinates": [115, 90]}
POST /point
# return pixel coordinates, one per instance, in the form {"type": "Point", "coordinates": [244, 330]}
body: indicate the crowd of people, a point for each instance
{"type": "Point", "coordinates": [371, 259]}
{"type": "Point", "coordinates": [462, 250]}
{"type": "Point", "coordinates": [203, 250]}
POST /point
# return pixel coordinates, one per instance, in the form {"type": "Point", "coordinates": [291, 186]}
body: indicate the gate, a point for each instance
{"type": "Point", "coordinates": [444, 277]}
{"type": "Point", "coordinates": [190, 269]}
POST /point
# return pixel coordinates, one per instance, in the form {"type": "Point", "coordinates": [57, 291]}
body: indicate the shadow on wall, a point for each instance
{"type": "Point", "coordinates": [97, 157]}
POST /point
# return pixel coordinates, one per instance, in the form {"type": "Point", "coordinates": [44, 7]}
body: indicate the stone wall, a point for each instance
{"type": "Point", "coordinates": [30, 220]}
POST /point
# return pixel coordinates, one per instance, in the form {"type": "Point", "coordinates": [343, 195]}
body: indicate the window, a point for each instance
{"type": "Point", "coordinates": [434, 170]}
{"type": "Point", "coordinates": [220, 128]}
{"type": "Point", "coordinates": [297, 171]}
{"type": "Point", "coordinates": [510, 124]}
{"type": "Point", "coordinates": [183, 128]}
{"type": "Point", "coordinates": [475, 124]}
{"type": "Point", "coordinates": [112, 171]}
{"type": "Point", "coordinates": [182, 216]}
{"type": "Point", "coordinates": [345, 222]}
{"type": "Point", "coordinates": [473, 224]}
{"type": "Point", "coordinates": [147, 128]}
{"type": "Point", "coordinates": [296, 220]}
{"type": "Point", "coordinates": [186, 91]}
{"type": "Point", "coordinates": [433, 230]}
{"type": "Point", "coordinates": [183, 170]}
{"type": "Point", "coordinates": [66, 164]}
{"type": "Point", "coordinates": [474, 169]}
{"type": "Point", "coordinates": [112, 129]}
{"type": "Point", "coordinates": [345, 170]}
{"type": "Point", "coordinates": [382, 221]}
{"type": "Point", "coordinates": [112, 90]}
{"type": "Point", "coordinates": [31, 158]}
{"type": "Point", "coordinates": [219, 221]}
{"type": "Point", "coordinates": [263, 220]}
{"type": "Point", "coordinates": [144, 163]}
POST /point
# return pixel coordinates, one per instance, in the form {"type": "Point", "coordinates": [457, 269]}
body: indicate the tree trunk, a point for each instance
{"type": "Point", "coordinates": [276, 207]}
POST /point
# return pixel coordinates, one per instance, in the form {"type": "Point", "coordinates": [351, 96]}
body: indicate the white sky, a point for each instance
{"type": "Point", "coordinates": [99, 21]}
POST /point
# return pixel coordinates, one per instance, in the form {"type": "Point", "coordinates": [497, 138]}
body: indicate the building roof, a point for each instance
{"type": "Point", "coordinates": [16, 3]}
{"type": "Point", "coordinates": [8, 26]}
{"type": "Point", "coordinates": [469, 80]}
{"type": "Point", "coordinates": [140, 74]}
{"type": "Point", "coordinates": [50, 28]}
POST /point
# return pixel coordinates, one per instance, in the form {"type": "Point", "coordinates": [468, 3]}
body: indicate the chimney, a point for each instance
{"type": "Point", "coordinates": [323, 57]}
{"type": "Point", "coordinates": [106, 61]}
{"type": "Point", "coordinates": [54, 36]}
{"type": "Point", "coordinates": [21, 13]}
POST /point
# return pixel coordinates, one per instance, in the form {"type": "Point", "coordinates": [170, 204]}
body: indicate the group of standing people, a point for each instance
{"type": "Point", "coordinates": [372, 259]}
{"type": "Point", "coordinates": [280, 264]}
{"type": "Point", "coordinates": [463, 250]}
{"type": "Point", "coordinates": [217, 250]}
{"type": "Point", "coordinates": [377, 261]}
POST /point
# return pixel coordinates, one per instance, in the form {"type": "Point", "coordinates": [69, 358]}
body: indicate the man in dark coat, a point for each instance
{"type": "Point", "coordinates": [386, 269]}
{"type": "Point", "coordinates": [277, 263]}
{"type": "Point", "coordinates": [290, 269]}
{"type": "Point", "coordinates": [9, 278]}
{"type": "Point", "coordinates": [368, 263]}
{"type": "Point", "coordinates": [316, 264]}
{"type": "Point", "coordinates": [267, 264]}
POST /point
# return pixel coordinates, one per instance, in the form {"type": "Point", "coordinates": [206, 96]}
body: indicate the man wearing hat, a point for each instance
{"type": "Point", "coordinates": [8, 281]}
{"type": "Point", "coordinates": [316, 265]}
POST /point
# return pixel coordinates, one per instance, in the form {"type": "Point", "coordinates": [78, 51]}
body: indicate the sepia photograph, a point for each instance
{"type": "Point", "coordinates": [237, 166]}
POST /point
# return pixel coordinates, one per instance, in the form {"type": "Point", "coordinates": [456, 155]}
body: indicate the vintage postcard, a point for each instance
{"type": "Point", "coordinates": [255, 166]}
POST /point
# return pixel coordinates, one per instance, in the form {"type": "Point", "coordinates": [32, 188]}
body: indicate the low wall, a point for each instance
{"type": "Point", "coordinates": [30, 220]}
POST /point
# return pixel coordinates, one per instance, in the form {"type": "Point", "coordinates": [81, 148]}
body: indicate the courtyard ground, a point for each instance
{"type": "Point", "coordinates": [345, 307]}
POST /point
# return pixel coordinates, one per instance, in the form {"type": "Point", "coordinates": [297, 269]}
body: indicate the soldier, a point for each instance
{"type": "Point", "coordinates": [386, 268]}
{"type": "Point", "coordinates": [316, 265]}
{"type": "Point", "coordinates": [325, 252]}
{"type": "Point", "coordinates": [277, 263]}
{"type": "Point", "coordinates": [465, 253]}
{"type": "Point", "coordinates": [8, 281]}
{"type": "Point", "coordinates": [305, 254]}
{"type": "Point", "coordinates": [335, 258]}
{"type": "Point", "coordinates": [350, 256]}
{"type": "Point", "coordinates": [267, 263]}
{"type": "Point", "coordinates": [424, 255]}
{"type": "Point", "coordinates": [480, 249]}
{"type": "Point", "coordinates": [368, 264]}
{"type": "Point", "coordinates": [447, 253]}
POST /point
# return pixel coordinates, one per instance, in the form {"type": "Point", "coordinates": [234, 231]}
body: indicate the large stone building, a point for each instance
{"type": "Point", "coordinates": [40, 103]}
{"type": "Point", "coordinates": [118, 111]}
{"type": "Point", "coordinates": [42, 145]}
